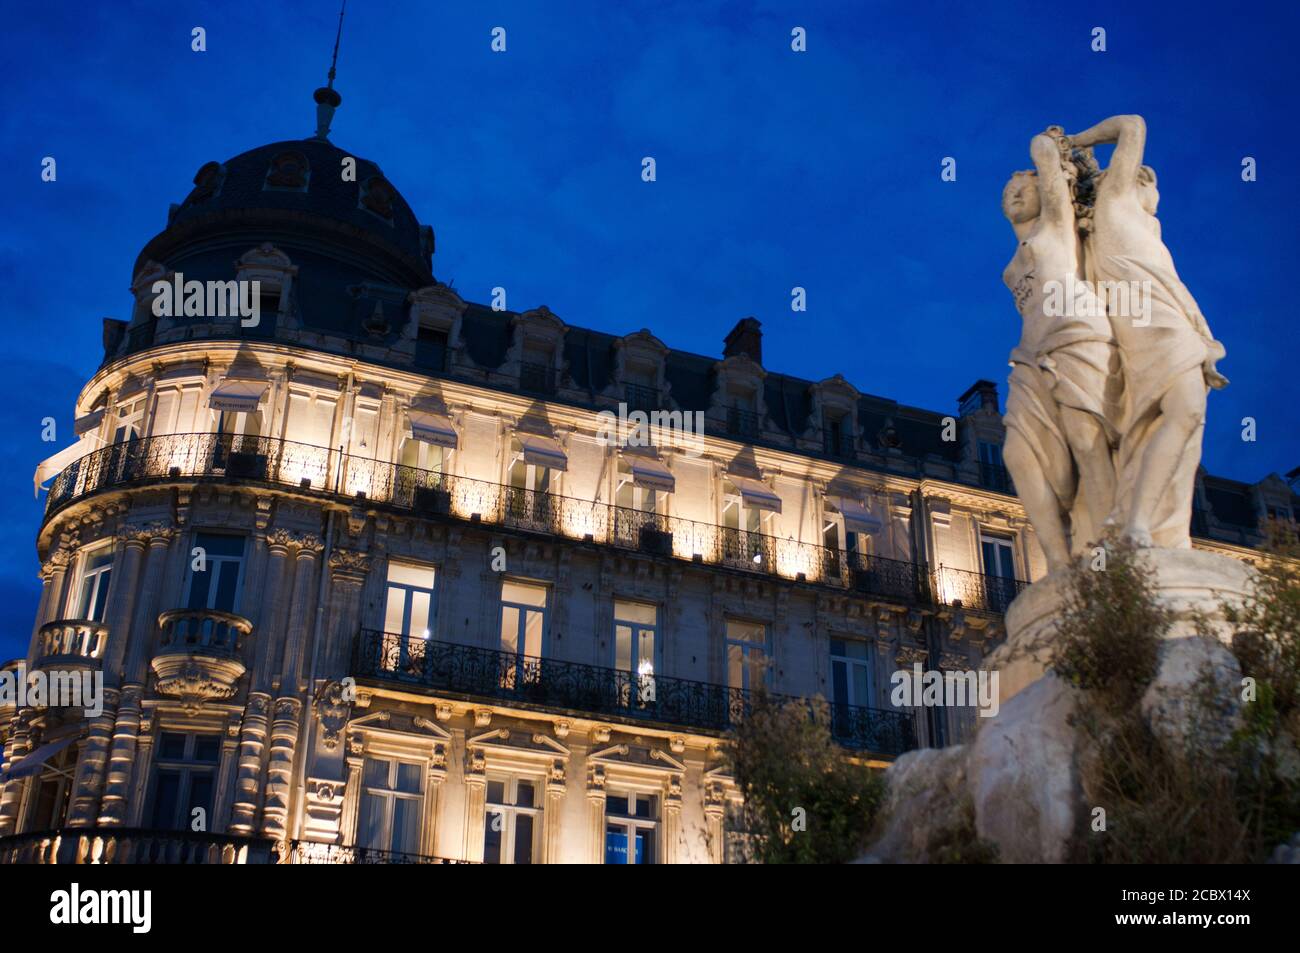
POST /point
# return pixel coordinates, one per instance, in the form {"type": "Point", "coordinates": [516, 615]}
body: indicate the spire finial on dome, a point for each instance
{"type": "Point", "coordinates": [327, 99]}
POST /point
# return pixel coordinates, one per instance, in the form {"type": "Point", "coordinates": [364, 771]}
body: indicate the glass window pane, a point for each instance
{"type": "Point", "coordinates": [523, 593]}
{"type": "Point", "coordinates": [227, 573]}
{"type": "Point", "coordinates": [509, 629]}
{"type": "Point", "coordinates": [220, 544]}
{"type": "Point", "coordinates": [370, 824]}
{"type": "Point", "coordinates": [376, 773]}
{"type": "Point", "coordinates": [861, 694]}
{"type": "Point", "coordinates": [207, 748]}
{"type": "Point", "coordinates": [739, 631]}
{"type": "Point", "coordinates": [166, 798]}
{"type": "Point", "coordinates": [395, 610]}
{"type": "Point", "coordinates": [492, 830]}
{"type": "Point", "coordinates": [524, 794]}
{"type": "Point", "coordinates": [200, 583]}
{"type": "Point", "coordinates": [645, 846]}
{"type": "Point", "coordinates": [840, 683]}
{"type": "Point", "coordinates": [736, 666]}
{"type": "Point", "coordinates": [171, 746]}
{"type": "Point", "coordinates": [533, 634]}
{"type": "Point", "coordinates": [636, 612]}
{"type": "Point", "coordinates": [496, 792]}
{"type": "Point", "coordinates": [411, 575]}
{"type": "Point", "coordinates": [623, 648]}
{"type": "Point", "coordinates": [615, 844]}
{"type": "Point", "coordinates": [523, 839]}
{"type": "Point", "coordinates": [200, 797]}
{"type": "Point", "coordinates": [406, 825]}
{"type": "Point", "coordinates": [408, 777]}
{"type": "Point", "coordinates": [420, 614]}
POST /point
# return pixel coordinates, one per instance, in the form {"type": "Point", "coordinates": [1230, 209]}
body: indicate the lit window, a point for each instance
{"type": "Point", "coordinates": [631, 827]}
{"type": "Point", "coordinates": [392, 795]}
{"type": "Point", "coordinates": [513, 823]}
{"type": "Point", "coordinates": [409, 609]}
{"type": "Point", "coordinates": [636, 628]}
{"type": "Point", "coordinates": [184, 780]}
{"type": "Point", "coordinates": [92, 589]}
{"type": "Point", "coordinates": [523, 630]}
{"type": "Point", "coordinates": [747, 653]}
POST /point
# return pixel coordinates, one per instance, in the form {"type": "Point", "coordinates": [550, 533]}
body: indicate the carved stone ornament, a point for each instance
{"type": "Point", "coordinates": [332, 711]}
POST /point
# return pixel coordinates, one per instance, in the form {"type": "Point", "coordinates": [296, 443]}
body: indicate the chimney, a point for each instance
{"type": "Point", "coordinates": [745, 338]}
{"type": "Point", "coordinates": [979, 396]}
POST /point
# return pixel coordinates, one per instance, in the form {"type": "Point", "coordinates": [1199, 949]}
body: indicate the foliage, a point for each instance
{"type": "Point", "coordinates": [805, 800]}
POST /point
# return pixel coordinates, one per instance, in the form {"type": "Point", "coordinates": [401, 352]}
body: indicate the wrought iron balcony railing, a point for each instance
{"type": "Point", "coordinates": [130, 845]}
{"type": "Point", "coordinates": [536, 378]}
{"type": "Point", "coordinates": [432, 494]}
{"type": "Point", "coordinates": [71, 640]}
{"type": "Point", "coordinates": [995, 477]}
{"type": "Point", "coordinates": [973, 590]}
{"type": "Point", "coordinates": [742, 423]}
{"type": "Point", "coordinates": [308, 852]}
{"type": "Point", "coordinates": [642, 398]}
{"type": "Point", "coordinates": [554, 685]}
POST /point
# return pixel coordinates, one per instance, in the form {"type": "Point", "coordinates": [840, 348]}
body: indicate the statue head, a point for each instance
{"type": "Point", "coordinates": [1021, 201]}
{"type": "Point", "coordinates": [1148, 194]}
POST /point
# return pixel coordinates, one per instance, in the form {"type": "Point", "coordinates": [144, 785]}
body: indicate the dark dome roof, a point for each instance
{"type": "Point", "coordinates": [306, 176]}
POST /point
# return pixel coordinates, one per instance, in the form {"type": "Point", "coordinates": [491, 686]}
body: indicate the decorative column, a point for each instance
{"type": "Point", "coordinates": [352, 793]}
{"type": "Point", "coordinates": [596, 814]}
{"type": "Point", "coordinates": [475, 803]}
{"type": "Point", "coordinates": [279, 766]}
{"type": "Point", "coordinates": [434, 779]}
{"type": "Point", "coordinates": [92, 763]}
{"type": "Point", "coordinates": [121, 601]}
{"type": "Point", "coordinates": [348, 571]}
{"type": "Point", "coordinates": [672, 819]}
{"type": "Point", "coordinates": [248, 777]}
{"type": "Point", "coordinates": [551, 823]}
{"type": "Point", "coordinates": [143, 762]}
{"type": "Point", "coordinates": [221, 802]}
{"type": "Point", "coordinates": [300, 614]}
{"type": "Point", "coordinates": [715, 814]}
{"type": "Point", "coordinates": [11, 792]}
{"type": "Point", "coordinates": [275, 609]}
{"type": "Point", "coordinates": [143, 630]}
{"type": "Point", "coordinates": [54, 572]}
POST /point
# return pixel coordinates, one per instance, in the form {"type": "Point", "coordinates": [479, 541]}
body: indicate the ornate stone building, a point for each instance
{"type": "Point", "coordinates": [371, 580]}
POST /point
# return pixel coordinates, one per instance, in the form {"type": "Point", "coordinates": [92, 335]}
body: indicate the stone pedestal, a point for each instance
{"type": "Point", "coordinates": [1187, 581]}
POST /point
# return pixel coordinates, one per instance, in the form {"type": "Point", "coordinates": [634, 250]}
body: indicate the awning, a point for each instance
{"type": "Point", "coordinates": [433, 428]}
{"type": "Point", "coordinates": [51, 466]}
{"type": "Point", "coordinates": [543, 451]}
{"type": "Point", "coordinates": [237, 396]}
{"type": "Point", "coordinates": [756, 494]}
{"type": "Point", "coordinates": [32, 762]}
{"type": "Point", "coordinates": [88, 422]}
{"type": "Point", "coordinates": [650, 473]}
{"type": "Point", "coordinates": [856, 517]}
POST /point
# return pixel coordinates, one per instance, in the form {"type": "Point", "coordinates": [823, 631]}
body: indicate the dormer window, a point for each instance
{"type": "Point", "coordinates": [536, 371]}
{"type": "Point", "coordinates": [639, 372]}
{"type": "Point", "coordinates": [289, 172]}
{"type": "Point", "coordinates": [837, 433]}
{"type": "Point", "coordinates": [742, 412]}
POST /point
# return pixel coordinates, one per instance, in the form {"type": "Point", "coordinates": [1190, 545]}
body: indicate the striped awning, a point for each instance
{"type": "Point", "coordinates": [543, 451]}
{"type": "Point", "coordinates": [436, 429]}
{"type": "Point", "coordinates": [237, 396]}
{"type": "Point", "coordinates": [650, 473]}
{"type": "Point", "coordinates": [755, 493]}
{"type": "Point", "coordinates": [857, 519]}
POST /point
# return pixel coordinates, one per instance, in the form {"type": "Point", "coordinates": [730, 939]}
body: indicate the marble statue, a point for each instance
{"type": "Point", "coordinates": [1166, 350]}
{"type": "Point", "coordinates": [1062, 399]}
{"type": "Point", "coordinates": [1107, 396]}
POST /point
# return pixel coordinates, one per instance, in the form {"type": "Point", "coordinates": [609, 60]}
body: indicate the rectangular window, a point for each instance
{"type": "Point", "coordinates": [999, 572]}
{"type": "Point", "coordinates": [523, 631]}
{"type": "Point", "coordinates": [851, 672]}
{"type": "Point", "coordinates": [631, 827]}
{"type": "Point", "coordinates": [409, 609]}
{"type": "Point", "coordinates": [92, 587]}
{"type": "Point", "coordinates": [392, 795]}
{"type": "Point", "coordinates": [49, 808]}
{"type": "Point", "coordinates": [636, 627]}
{"type": "Point", "coordinates": [747, 652]}
{"type": "Point", "coordinates": [513, 822]}
{"type": "Point", "coordinates": [218, 583]}
{"type": "Point", "coordinates": [185, 775]}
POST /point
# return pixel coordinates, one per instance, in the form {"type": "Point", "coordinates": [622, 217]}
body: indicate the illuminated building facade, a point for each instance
{"type": "Point", "coordinates": [374, 580]}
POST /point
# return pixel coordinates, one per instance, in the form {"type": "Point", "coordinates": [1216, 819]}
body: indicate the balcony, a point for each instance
{"type": "Point", "coordinates": [127, 845]}
{"type": "Point", "coordinates": [642, 398]}
{"type": "Point", "coordinates": [198, 657]}
{"type": "Point", "coordinates": [308, 852]}
{"type": "Point", "coordinates": [742, 423]}
{"type": "Point", "coordinates": [536, 378]}
{"type": "Point", "coordinates": [72, 644]}
{"type": "Point", "coordinates": [551, 685]}
{"type": "Point", "coordinates": [318, 472]}
{"type": "Point", "coordinates": [974, 590]}
{"type": "Point", "coordinates": [995, 477]}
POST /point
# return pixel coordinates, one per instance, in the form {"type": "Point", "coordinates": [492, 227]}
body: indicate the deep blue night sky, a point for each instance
{"type": "Point", "coordinates": [775, 169]}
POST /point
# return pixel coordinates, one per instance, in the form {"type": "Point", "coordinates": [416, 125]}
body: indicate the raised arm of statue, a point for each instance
{"type": "Point", "coordinates": [1129, 133]}
{"type": "Point", "coordinates": [1053, 186]}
